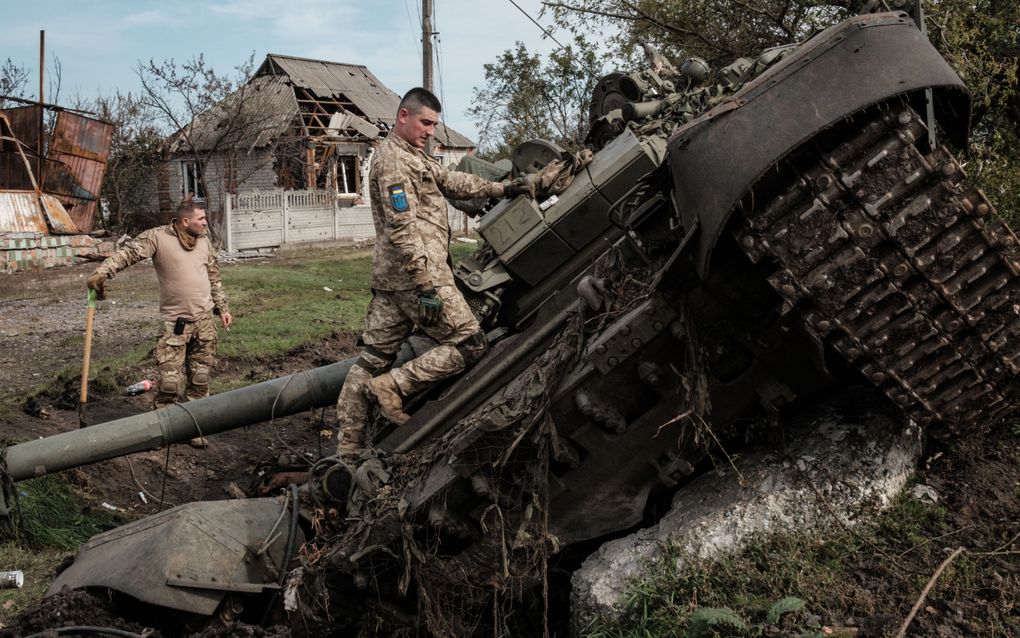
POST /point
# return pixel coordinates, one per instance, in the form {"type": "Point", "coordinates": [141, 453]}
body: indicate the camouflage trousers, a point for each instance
{"type": "Point", "coordinates": [185, 361]}
{"type": "Point", "coordinates": [390, 320]}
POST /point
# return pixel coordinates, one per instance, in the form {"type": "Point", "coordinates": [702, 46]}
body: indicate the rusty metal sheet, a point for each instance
{"type": "Point", "coordinates": [78, 153]}
{"type": "Point", "coordinates": [26, 212]}
{"type": "Point", "coordinates": [24, 123]}
{"type": "Point", "coordinates": [60, 222]}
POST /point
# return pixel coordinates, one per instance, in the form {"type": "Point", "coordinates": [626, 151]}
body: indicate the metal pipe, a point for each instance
{"type": "Point", "coordinates": [153, 430]}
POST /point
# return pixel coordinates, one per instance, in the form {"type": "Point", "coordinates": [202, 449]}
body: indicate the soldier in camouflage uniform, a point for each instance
{"type": "Point", "coordinates": [190, 293]}
{"type": "Point", "coordinates": [412, 280]}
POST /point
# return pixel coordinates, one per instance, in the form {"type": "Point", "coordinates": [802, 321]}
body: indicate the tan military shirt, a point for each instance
{"type": "Point", "coordinates": [189, 280]}
{"type": "Point", "coordinates": [412, 229]}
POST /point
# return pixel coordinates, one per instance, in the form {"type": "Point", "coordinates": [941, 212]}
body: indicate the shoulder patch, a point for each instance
{"type": "Point", "coordinates": [398, 198]}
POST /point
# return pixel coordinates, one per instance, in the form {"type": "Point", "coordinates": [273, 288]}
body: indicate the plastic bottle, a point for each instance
{"type": "Point", "coordinates": [138, 388]}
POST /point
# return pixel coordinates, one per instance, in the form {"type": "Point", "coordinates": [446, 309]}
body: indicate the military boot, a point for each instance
{"type": "Point", "coordinates": [386, 393]}
{"type": "Point", "coordinates": [352, 442]}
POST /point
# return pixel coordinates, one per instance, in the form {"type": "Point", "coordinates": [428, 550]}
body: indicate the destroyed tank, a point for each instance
{"type": "Point", "coordinates": [729, 250]}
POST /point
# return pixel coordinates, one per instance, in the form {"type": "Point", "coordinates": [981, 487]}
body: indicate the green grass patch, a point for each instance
{"type": "Point", "coordinates": [53, 516]}
{"type": "Point", "coordinates": [279, 305]}
{"type": "Point", "coordinates": [756, 591]}
{"type": "Point", "coordinates": [54, 522]}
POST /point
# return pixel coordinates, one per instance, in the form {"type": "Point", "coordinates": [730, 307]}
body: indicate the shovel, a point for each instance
{"type": "Point", "coordinates": [89, 316]}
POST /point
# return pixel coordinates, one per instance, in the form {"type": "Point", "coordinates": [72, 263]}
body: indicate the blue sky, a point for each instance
{"type": "Point", "coordinates": [99, 42]}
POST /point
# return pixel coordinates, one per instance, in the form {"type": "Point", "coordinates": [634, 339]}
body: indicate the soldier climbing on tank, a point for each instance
{"type": "Point", "coordinates": [190, 293]}
{"type": "Point", "coordinates": [412, 281]}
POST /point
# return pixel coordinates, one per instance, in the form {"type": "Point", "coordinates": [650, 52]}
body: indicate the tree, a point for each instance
{"type": "Point", "coordinates": [207, 114]}
{"type": "Point", "coordinates": [982, 41]}
{"type": "Point", "coordinates": [136, 149]}
{"type": "Point", "coordinates": [13, 79]}
{"type": "Point", "coordinates": [525, 98]}
{"type": "Point", "coordinates": [716, 30]}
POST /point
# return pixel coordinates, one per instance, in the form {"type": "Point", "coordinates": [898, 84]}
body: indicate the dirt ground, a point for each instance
{"type": "Point", "coordinates": [42, 318]}
{"type": "Point", "coordinates": [41, 323]}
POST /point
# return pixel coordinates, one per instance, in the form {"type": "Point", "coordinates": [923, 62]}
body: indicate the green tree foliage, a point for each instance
{"type": "Point", "coordinates": [526, 97]}
{"type": "Point", "coordinates": [717, 30]}
{"type": "Point", "coordinates": [981, 39]}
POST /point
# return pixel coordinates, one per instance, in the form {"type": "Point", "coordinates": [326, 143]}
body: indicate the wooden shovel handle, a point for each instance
{"type": "Point", "coordinates": [89, 316]}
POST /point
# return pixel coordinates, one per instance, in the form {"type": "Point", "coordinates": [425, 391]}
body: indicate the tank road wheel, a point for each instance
{"type": "Point", "coordinates": [896, 263]}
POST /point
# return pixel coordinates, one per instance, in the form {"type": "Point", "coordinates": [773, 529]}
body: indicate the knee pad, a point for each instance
{"type": "Point", "coordinates": [472, 348]}
{"type": "Point", "coordinates": [170, 384]}
{"type": "Point", "coordinates": [200, 377]}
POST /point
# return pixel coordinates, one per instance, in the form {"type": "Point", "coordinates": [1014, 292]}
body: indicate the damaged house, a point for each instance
{"type": "Point", "coordinates": [298, 135]}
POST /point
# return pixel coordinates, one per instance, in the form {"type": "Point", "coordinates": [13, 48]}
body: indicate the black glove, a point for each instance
{"type": "Point", "coordinates": [430, 307]}
{"type": "Point", "coordinates": [520, 186]}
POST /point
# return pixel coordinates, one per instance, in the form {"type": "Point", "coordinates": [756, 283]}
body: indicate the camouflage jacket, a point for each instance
{"type": "Point", "coordinates": [412, 227]}
{"type": "Point", "coordinates": [189, 281]}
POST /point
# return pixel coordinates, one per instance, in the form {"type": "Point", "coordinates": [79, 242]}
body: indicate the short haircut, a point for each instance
{"type": "Point", "coordinates": [188, 207]}
{"type": "Point", "coordinates": [418, 98]}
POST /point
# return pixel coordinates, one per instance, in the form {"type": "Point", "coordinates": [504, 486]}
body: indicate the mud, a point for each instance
{"type": "Point", "coordinates": [70, 609]}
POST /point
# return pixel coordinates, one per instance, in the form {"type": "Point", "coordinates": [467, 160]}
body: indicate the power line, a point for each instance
{"type": "Point", "coordinates": [414, 31]}
{"type": "Point", "coordinates": [442, 91]}
{"type": "Point", "coordinates": [550, 36]}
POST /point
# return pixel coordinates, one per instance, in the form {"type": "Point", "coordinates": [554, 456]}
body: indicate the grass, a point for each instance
{"type": "Point", "coordinates": [824, 573]}
{"type": "Point", "coordinates": [278, 306]}
{"type": "Point", "coordinates": [54, 522]}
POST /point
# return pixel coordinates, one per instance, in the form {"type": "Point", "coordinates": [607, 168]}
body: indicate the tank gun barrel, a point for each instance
{"type": "Point", "coordinates": [153, 430]}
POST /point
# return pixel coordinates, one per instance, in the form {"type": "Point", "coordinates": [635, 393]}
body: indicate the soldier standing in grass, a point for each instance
{"type": "Point", "coordinates": [190, 293]}
{"type": "Point", "coordinates": [412, 279]}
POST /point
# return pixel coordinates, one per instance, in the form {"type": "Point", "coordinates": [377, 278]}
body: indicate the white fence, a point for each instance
{"type": "Point", "coordinates": [269, 219]}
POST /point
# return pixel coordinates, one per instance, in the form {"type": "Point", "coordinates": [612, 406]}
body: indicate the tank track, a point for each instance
{"type": "Point", "coordinates": [904, 270]}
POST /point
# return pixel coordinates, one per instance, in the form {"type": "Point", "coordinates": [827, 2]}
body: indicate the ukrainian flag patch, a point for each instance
{"type": "Point", "coordinates": [398, 198]}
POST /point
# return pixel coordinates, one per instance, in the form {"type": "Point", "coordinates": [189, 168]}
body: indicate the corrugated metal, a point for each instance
{"type": "Point", "coordinates": [24, 123]}
{"type": "Point", "coordinates": [353, 81]}
{"type": "Point", "coordinates": [344, 121]}
{"type": "Point", "coordinates": [25, 212]}
{"type": "Point", "coordinates": [268, 107]}
{"type": "Point", "coordinates": [82, 145]}
{"type": "Point", "coordinates": [356, 83]}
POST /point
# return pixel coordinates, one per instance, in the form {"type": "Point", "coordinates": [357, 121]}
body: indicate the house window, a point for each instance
{"type": "Point", "coordinates": [191, 179]}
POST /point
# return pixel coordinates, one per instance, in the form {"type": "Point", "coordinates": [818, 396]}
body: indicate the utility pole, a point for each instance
{"type": "Point", "coordinates": [426, 53]}
{"type": "Point", "coordinates": [426, 44]}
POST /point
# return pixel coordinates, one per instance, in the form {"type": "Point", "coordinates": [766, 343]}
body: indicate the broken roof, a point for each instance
{"type": "Point", "coordinates": [267, 110]}
{"type": "Point", "coordinates": [332, 98]}
{"type": "Point", "coordinates": [353, 83]}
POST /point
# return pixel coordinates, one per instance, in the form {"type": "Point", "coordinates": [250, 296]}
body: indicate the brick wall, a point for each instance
{"type": "Point", "coordinates": [34, 251]}
{"type": "Point", "coordinates": [248, 172]}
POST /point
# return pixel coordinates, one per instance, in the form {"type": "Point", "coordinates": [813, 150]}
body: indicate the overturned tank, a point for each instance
{"type": "Point", "coordinates": [725, 251]}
